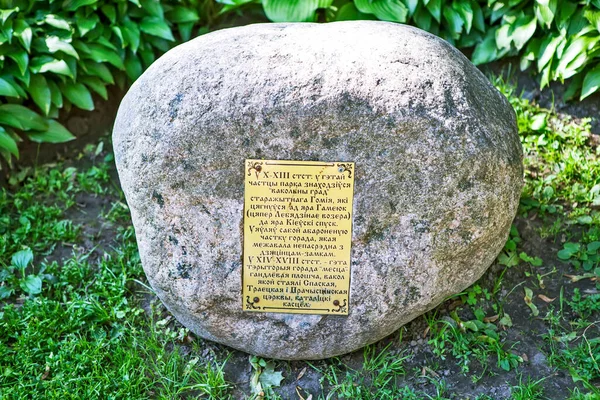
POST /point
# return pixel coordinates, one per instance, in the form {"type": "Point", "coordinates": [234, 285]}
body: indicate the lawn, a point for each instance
{"type": "Point", "coordinates": [78, 319]}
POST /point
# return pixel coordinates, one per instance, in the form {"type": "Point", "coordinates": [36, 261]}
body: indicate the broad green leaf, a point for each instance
{"type": "Point", "coordinates": [506, 321]}
{"type": "Point", "coordinates": [131, 34]}
{"type": "Point", "coordinates": [110, 11]}
{"type": "Point", "coordinates": [57, 22]}
{"type": "Point", "coordinates": [55, 44]}
{"type": "Point", "coordinates": [385, 10]}
{"type": "Point", "coordinates": [269, 378]}
{"type": "Point", "coordinates": [78, 94]}
{"type": "Point", "coordinates": [465, 11]}
{"type": "Point", "coordinates": [594, 18]}
{"type": "Point", "coordinates": [453, 20]}
{"type": "Point", "coordinates": [485, 51]}
{"type": "Point", "coordinates": [510, 245]}
{"type": "Point", "coordinates": [547, 50]}
{"type": "Point", "coordinates": [185, 30]}
{"type": "Point", "coordinates": [21, 117]}
{"type": "Point", "coordinates": [81, 47]}
{"type": "Point", "coordinates": [21, 58]}
{"type": "Point", "coordinates": [545, 76]}
{"type": "Point", "coordinates": [156, 27]}
{"type": "Point", "coordinates": [545, 10]}
{"type": "Point", "coordinates": [509, 259]}
{"type": "Point", "coordinates": [159, 43]}
{"type": "Point", "coordinates": [96, 84]}
{"type": "Point", "coordinates": [499, 10]}
{"type": "Point", "coordinates": [478, 19]}
{"type": "Point", "coordinates": [32, 284]}
{"type": "Point", "coordinates": [72, 5]}
{"type": "Point", "coordinates": [154, 8]}
{"type": "Point", "coordinates": [23, 32]}
{"type": "Point", "coordinates": [573, 247]}
{"type": "Point", "coordinates": [291, 10]}
{"type": "Point", "coordinates": [5, 291]}
{"type": "Point", "coordinates": [6, 13]}
{"type": "Point", "coordinates": [423, 18]}
{"type": "Point", "coordinates": [56, 133]}
{"type": "Point", "coordinates": [10, 78]}
{"type": "Point", "coordinates": [119, 34]}
{"type": "Point", "coordinates": [49, 64]}
{"type": "Point", "coordinates": [587, 29]}
{"type": "Point", "coordinates": [591, 83]}
{"type": "Point", "coordinates": [22, 258]}
{"type": "Point", "coordinates": [100, 53]}
{"type": "Point", "coordinates": [124, 10]}
{"type": "Point", "coordinates": [7, 89]}
{"type": "Point", "coordinates": [574, 66]}
{"type": "Point", "coordinates": [593, 247]}
{"type": "Point", "coordinates": [40, 92]}
{"type": "Point", "coordinates": [147, 57]}
{"type": "Point", "coordinates": [349, 12]}
{"type": "Point", "coordinates": [528, 57]}
{"type": "Point", "coordinates": [179, 15]}
{"type": "Point", "coordinates": [573, 50]}
{"type": "Point", "coordinates": [524, 28]}
{"type": "Point", "coordinates": [435, 8]}
{"type": "Point", "coordinates": [86, 23]}
{"type": "Point", "coordinates": [565, 11]}
{"type": "Point", "coordinates": [8, 143]}
{"type": "Point", "coordinates": [133, 67]}
{"type": "Point", "coordinates": [577, 23]}
{"type": "Point", "coordinates": [101, 71]}
{"type": "Point", "coordinates": [565, 254]}
{"type": "Point", "coordinates": [53, 111]}
{"type": "Point", "coordinates": [106, 43]}
{"type": "Point", "coordinates": [412, 6]}
{"type": "Point", "coordinates": [55, 94]}
{"type": "Point", "coordinates": [471, 39]}
{"type": "Point", "coordinates": [538, 122]}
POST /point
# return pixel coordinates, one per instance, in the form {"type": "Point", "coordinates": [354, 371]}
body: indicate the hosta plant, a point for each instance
{"type": "Point", "coordinates": [55, 54]}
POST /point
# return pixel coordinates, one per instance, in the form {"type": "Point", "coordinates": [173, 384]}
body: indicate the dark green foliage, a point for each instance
{"type": "Point", "coordinates": [55, 54]}
{"type": "Point", "coordinates": [71, 326]}
{"type": "Point", "coordinates": [560, 40]}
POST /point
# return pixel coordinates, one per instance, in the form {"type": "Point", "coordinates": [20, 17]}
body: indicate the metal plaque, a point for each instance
{"type": "Point", "coordinates": [297, 236]}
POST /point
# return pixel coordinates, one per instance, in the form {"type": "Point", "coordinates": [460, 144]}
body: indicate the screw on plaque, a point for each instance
{"type": "Point", "coordinates": [258, 168]}
{"type": "Point", "coordinates": [340, 169]}
{"type": "Point", "coordinates": [255, 300]}
{"type": "Point", "coordinates": [336, 303]}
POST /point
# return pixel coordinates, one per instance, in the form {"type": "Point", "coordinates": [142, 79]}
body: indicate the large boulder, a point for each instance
{"type": "Point", "coordinates": [437, 181]}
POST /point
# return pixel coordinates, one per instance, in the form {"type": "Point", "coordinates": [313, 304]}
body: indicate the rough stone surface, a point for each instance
{"type": "Point", "coordinates": [438, 171]}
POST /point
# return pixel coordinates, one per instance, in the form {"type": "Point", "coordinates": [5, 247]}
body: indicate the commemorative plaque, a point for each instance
{"type": "Point", "coordinates": [297, 236]}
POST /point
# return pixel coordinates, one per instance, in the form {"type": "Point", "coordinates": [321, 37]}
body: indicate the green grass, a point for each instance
{"type": "Point", "coordinates": [76, 320]}
{"type": "Point", "coordinates": [85, 335]}
{"type": "Point", "coordinates": [528, 390]}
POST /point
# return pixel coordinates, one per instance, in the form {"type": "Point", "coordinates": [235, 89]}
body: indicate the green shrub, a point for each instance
{"type": "Point", "coordinates": [560, 40]}
{"type": "Point", "coordinates": [54, 54]}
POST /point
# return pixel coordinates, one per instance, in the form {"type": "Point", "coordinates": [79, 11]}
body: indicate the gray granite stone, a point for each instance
{"type": "Point", "coordinates": [438, 171]}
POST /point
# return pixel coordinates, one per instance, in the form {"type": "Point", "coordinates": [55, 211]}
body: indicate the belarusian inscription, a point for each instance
{"type": "Point", "coordinates": [297, 236]}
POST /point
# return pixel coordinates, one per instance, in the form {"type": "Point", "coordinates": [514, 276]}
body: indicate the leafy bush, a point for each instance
{"type": "Point", "coordinates": [54, 54]}
{"type": "Point", "coordinates": [558, 39]}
